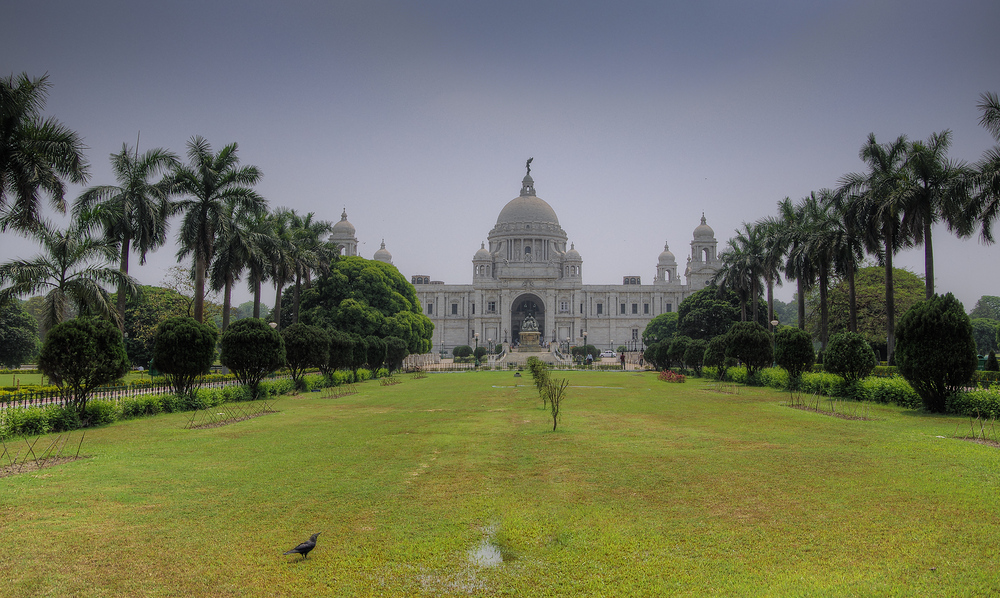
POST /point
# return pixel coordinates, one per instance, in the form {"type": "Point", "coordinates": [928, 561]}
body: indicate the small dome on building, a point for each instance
{"type": "Point", "coordinates": [343, 227]}
{"type": "Point", "coordinates": [573, 254]}
{"type": "Point", "coordinates": [483, 254]}
{"type": "Point", "coordinates": [383, 254]}
{"type": "Point", "coordinates": [667, 257]}
{"type": "Point", "coordinates": [704, 231]}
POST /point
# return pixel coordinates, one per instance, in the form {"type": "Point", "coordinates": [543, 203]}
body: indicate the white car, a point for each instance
{"type": "Point", "coordinates": [608, 353]}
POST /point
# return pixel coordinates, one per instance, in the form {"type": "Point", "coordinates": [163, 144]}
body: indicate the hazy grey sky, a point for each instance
{"type": "Point", "coordinates": [418, 116]}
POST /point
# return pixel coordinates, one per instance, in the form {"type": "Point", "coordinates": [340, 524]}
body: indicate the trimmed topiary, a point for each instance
{"type": "Point", "coordinates": [715, 356]}
{"type": "Point", "coordinates": [82, 354]}
{"type": "Point", "coordinates": [749, 343]}
{"type": "Point", "coordinates": [252, 350]}
{"type": "Point", "coordinates": [183, 350]}
{"type": "Point", "coordinates": [678, 347]}
{"type": "Point", "coordinates": [694, 355]}
{"type": "Point", "coordinates": [935, 350]}
{"type": "Point", "coordinates": [793, 351]}
{"type": "Point", "coordinates": [991, 363]}
{"type": "Point", "coordinates": [305, 347]}
{"type": "Point", "coordinates": [849, 356]}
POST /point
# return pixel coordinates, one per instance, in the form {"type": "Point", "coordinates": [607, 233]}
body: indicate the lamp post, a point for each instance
{"type": "Point", "coordinates": [476, 352]}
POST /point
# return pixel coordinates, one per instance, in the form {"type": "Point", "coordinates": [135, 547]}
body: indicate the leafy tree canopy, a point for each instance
{"type": "Point", "coordinates": [708, 313]}
{"type": "Point", "coordinates": [988, 306]}
{"type": "Point", "coordinates": [368, 298]}
{"type": "Point", "coordinates": [985, 332]}
{"type": "Point", "coordinates": [694, 355]}
{"type": "Point", "coordinates": [143, 314]}
{"type": "Point", "coordinates": [395, 352]}
{"type": "Point", "coordinates": [870, 291]}
{"type": "Point", "coordinates": [660, 328]}
{"type": "Point", "coordinates": [305, 347]}
{"type": "Point", "coordinates": [18, 335]}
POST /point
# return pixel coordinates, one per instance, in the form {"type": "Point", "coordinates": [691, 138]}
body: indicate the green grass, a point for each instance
{"type": "Point", "coordinates": [646, 489]}
{"type": "Point", "coordinates": [23, 379]}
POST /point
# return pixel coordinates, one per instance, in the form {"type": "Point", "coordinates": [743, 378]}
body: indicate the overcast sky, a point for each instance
{"type": "Point", "coordinates": [417, 117]}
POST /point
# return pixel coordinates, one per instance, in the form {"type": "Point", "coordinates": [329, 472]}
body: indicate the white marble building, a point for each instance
{"type": "Point", "coordinates": [525, 268]}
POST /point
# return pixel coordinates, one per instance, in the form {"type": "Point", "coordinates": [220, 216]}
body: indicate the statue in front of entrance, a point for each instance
{"type": "Point", "coordinates": [529, 324]}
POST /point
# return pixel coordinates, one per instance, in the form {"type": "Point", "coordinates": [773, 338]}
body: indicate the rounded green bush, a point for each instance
{"type": "Point", "coordinates": [793, 351]}
{"type": "Point", "coordinates": [850, 356]}
{"type": "Point", "coordinates": [935, 350]}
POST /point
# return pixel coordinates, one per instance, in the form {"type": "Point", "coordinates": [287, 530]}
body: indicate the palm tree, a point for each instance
{"type": "Point", "coordinates": [216, 185]}
{"type": "Point", "coordinates": [798, 267]}
{"type": "Point", "coordinates": [282, 267]}
{"type": "Point", "coordinates": [260, 257]}
{"type": "Point", "coordinates": [774, 256]}
{"type": "Point", "coordinates": [35, 152]}
{"type": "Point", "coordinates": [309, 252]}
{"type": "Point", "coordinates": [135, 210]}
{"type": "Point", "coordinates": [70, 271]}
{"type": "Point", "coordinates": [241, 242]}
{"type": "Point", "coordinates": [936, 190]}
{"type": "Point", "coordinates": [743, 267]}
{"type": "Point", "coordinates": [988, 168]}
{"type": "Point", "coordinates": [879, 200]}
{"type": "Point", "coordinates": [823, 244]}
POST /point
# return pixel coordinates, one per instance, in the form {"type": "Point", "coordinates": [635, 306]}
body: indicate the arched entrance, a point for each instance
{"type": "Point", "coordinates": [521, 308]}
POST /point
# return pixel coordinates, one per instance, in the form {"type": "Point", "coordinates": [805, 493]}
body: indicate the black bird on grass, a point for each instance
{"type": "Point", "coordinates": [306, 546]}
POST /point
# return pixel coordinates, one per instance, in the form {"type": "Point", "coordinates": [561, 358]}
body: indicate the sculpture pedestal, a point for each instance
{"type": "Point", "coordinates": [529, 342]}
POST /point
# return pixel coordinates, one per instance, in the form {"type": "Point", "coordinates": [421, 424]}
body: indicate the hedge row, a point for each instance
{"type": "Point", "coordinates": [43, 420]}
{"type": "Point", "coordinates": [891, 390]}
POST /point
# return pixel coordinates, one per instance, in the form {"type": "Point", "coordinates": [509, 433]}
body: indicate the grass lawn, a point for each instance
{"type": "Point", "coordinates": [646, 489]}
{"type": "Point", "coordinates": [24, 379]}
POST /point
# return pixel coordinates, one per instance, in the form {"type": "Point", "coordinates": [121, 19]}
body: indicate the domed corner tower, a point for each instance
{"type": "Point", "coordinates": [527, 240]}
{"type": "Point", "coordinates": [343, 237]}
{"type": "Point", "coordinates": [482, 264]}
{"type": "Point", "coordinates": [383, 254]}
{"type": "Point", "coordinates": [666, 268]}
{"type": "Point", "coordinates": [704, 262]}
{"type": "Point", "coordinates": [573, 264]}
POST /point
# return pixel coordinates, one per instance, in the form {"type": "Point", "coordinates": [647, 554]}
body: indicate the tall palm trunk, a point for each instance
{"type": "Point", "coordinates": [770, 302]}
{"type": "Point", "coordinates": [121, 287]}
{"type": "Point", "coordinates": [852, 300]}
{"type": "Point", "coordinates": [256, 298]}
{"type": "Point", "coordinates": [928, 260]}
{"type": "Point", "coordinates": [295, 298]}
{"type": "Point", "coordinates": [824, 308]}
{"type": "Point", "coordinates": [277, 304]}
{"type": "Point", "coordinates": [802, 304]}
{"type": "Point", "coordinates": [890, 304]}
{"type": "Point", "coordinates": [200, 266]}
{"type": "Point", "coordinates": [227, 300]}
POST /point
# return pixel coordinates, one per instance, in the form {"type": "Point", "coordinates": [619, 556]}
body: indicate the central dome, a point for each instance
{"type": "Point", "coordinates": [527, 209]}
